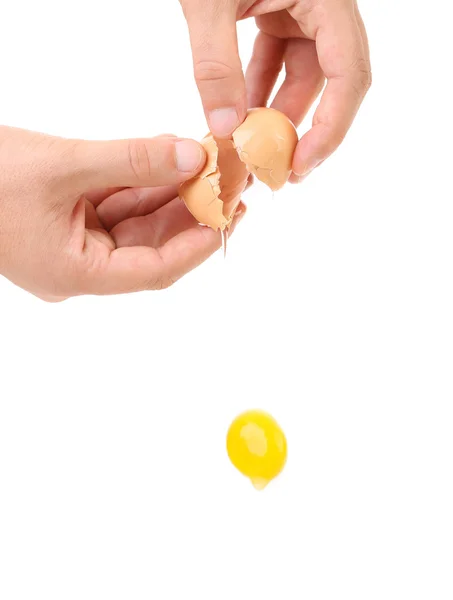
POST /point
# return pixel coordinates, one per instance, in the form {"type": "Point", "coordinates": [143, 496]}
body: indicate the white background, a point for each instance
{"type": "Point", "coordinates": [333, 311]}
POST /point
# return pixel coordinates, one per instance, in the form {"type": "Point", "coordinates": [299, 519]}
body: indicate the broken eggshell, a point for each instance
{"type": "Point", "coordinates": [263, 145]}
{"type": "Point", "coordinates": [214, 194]}
{"type": "Point", "coordinates": [266, 142]}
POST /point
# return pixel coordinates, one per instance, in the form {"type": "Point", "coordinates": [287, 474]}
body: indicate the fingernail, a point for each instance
{"type": "Point", "coordinates": [188, 156]}
{"type": "Point", "coordinates": [297, 178]}
{"type": "Point", "coordinates": [308, 167]}
{"type": "Point", "coordinates": [223, 121]}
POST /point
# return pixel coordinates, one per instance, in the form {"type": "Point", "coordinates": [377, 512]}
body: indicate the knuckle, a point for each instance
{"type": "Point", "coordinates": [165, 283]}
{"type": "Point", "coordinates": [361, 77]}
{"type": "Point", "coordinates": [162, 279]}
{"type": "Point", "coordinates": [212, 70]}
{"type": "Point", "coordinates": [302, 10]}
{"type": "Point", "coordinates": [139, 159]}
{"type": "Point", "coordinates": [155, 284]}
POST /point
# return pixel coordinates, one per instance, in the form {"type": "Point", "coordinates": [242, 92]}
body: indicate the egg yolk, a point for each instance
{"type": "Point", "coordinates": [257, 447]}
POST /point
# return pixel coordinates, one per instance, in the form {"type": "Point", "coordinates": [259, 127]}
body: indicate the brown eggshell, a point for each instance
{"type": "Point", "coordinates": [266, 142]}
{"type": "Point", "coordinates": [214, 194]}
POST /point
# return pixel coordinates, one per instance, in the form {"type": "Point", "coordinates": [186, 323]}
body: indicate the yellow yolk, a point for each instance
{"type": "Point", "coordinates": [256, 446]}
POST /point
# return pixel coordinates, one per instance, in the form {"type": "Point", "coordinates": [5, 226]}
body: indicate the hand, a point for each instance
{"type": "Point", "coordinates": [314, 39]}
{"type": "Point", "coordinates": [79, 217]}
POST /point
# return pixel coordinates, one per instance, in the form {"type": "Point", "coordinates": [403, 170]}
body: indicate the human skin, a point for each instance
{"type": "Point", "coordinates": [316, 40]}
{"type": "Point", "coordinates": [82, 217]}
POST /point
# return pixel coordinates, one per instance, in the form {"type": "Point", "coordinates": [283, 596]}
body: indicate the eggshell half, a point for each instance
{"type": "Point", "coordinates": [266, 142]}
{"type": "Point", "coordinates": [263, 145]}
{"type": "Point", "coordinates": [214, 194]}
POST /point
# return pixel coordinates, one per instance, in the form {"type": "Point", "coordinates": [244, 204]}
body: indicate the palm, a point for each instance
{"type": "Point", "coordinates": [124, 231]}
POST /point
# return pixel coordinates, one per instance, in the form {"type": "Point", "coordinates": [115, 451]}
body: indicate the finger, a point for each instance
{"type": "Point", "coordinates": [303, 82]}
{"type": "Point", "coordinates": [343, 59]}
{"type": "Point", "coordinates": [279, 24]}
{"type": "Point", "coordinates": [217, 66]}
{"type": "Point", "coordinates": [135, 268]}
{"type": "Point", "coordinates": [293, 178]}
{"type": "Point", "coordinates": [264, 7]}
{"type": "Point", "coordinates": [98, 196]}
{"type": "Point", "coordinates": [133, 163]}
{"type": "Point", "coordinates": [155, 229]}
{"type": "Point", "coordinates": [264, 68]}
{"type": "Point", "coordinates": [91, 217]}
{"type": "Point", "coordinates": [361, 25]}
{"type": "Point", "coordinates": [134, 202]}
{"type": "Point", "coordinates": [137, 202]}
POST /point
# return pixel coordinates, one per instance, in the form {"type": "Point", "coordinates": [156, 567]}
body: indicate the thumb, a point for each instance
{"type": "Point", "coordinates": [149, 162]}
{"type": "Point", "coordinates": [217, 66]}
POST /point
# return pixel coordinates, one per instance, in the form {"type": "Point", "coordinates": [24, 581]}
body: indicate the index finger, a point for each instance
{"type": "Point", "coordinates": [217, 65]}
{"type": "Point", "coordinates": [344, 59]}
